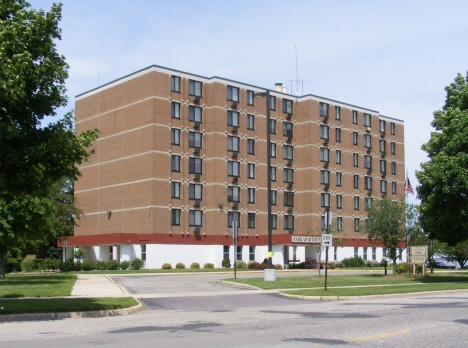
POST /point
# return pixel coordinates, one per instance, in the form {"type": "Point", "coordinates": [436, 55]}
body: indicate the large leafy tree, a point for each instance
{"type": "Point", "coordinates": [457, 252]}
{"type": "Point", "coordinates": [32, 77]}
{"type": "Point", "coordinates": [444, 178]}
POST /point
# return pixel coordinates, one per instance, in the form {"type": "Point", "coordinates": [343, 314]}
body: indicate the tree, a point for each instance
{"type": "Point", "coordinates": [32, 77]}
{"type": "Point", "coordinates": [28, 221]}
{"type": "Point", "coordinates": [457, 252]}
{"type": "Point", "coordinates": [444, 178]}
{"type": "Point", "coordinates": [389, 223]}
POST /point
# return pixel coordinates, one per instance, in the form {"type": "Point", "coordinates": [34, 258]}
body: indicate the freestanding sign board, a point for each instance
{"type": "Point", "coordinates": [419, 255]}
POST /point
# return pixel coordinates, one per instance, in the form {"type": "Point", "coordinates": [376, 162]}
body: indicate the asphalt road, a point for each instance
{"type": "Point", "coordinates": [247, 319]}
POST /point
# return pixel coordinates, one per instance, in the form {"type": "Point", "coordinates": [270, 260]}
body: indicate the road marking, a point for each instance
{"type": "Point", "coordinates": [379, 336]}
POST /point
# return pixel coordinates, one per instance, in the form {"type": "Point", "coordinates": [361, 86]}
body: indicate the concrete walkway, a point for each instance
{"type": "Point", "coordinates": [97, 285]}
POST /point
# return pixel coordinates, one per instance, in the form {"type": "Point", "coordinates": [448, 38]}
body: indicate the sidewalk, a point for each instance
{"type": "Point", "coordinates": [97, 285]}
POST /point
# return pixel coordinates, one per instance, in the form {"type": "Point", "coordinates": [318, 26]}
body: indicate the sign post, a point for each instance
{"type": "Point", "coordinates": [419, 255]}
{"type": "Point", "coordinates": [327, 241]}
{"type": "Point", "coordinates": [234, 242]}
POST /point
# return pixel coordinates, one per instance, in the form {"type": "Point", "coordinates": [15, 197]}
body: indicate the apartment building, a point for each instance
{"type": "Point", "coordinates": [181, 156]}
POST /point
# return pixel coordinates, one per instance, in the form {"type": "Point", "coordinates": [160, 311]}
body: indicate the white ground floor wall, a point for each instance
{"type": "Point", "coordinates": [155, 255]}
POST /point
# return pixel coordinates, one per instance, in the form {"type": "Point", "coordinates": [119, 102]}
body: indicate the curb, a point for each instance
{"type": "Point", "coordinates": [237, 285]}
{"type": "Point", "coordinates": [65, 315]}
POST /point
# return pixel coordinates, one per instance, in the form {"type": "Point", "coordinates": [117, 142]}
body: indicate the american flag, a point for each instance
{"type": "Point", "coordinates": [408, 187]}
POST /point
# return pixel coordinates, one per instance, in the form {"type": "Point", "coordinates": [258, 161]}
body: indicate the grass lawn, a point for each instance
{"type": "Point", "coordinates": [64, 305]}
{"type": "Point", "coordinates": [38, 285]}
{"type": "Point", "coordinates": [312, 281]}
{"type": "Point", "coordinates": [174, 270]}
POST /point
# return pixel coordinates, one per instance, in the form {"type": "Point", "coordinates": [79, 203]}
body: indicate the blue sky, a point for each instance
{"type": "Point", "coordinates": [395, 57]}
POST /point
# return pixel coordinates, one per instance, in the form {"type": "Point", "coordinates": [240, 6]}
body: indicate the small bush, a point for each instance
{"type": "Point", "coordinates": [167, 266]}
{"type": "Point", "coordinates": [402, 268]}
{"type": "Point", "coordinates": [88, 265]}
{"type": "Point", "coordinates": [208, 265]}
{"type": "Point", "coordinates": [278, 266]}
{"type": "Point", "coordinates": [241, 265]}
{"type": "Point", "coordinates": [300, 265]}
{"type": "Point", "coordinates": [195, 265]}
{"type": "Point", "coordinates": [265, 261]}
{"type": "Point", "coordinates": [124, 265]}
{"type": "Point", "coordinates": [78, 266]}
{"type": "Point", "coordinates": [253, 265]}
{"type": "Point", "coordinates": [180, 265]}
{"type": "Point", "coordinates": [331, 266]}
{"type": "Point", "coordinates": [226, 263]}
{"type": "Point", "coordinates": [355, 261]}
{"type": "Point", "coordinates": [101, 265]}
{"type": "Point", "coordinates": [137, 263]}
{"type": "Point", "coordinates": [112, 265]}
{"type": "Point", "coordinates": [28, 264]}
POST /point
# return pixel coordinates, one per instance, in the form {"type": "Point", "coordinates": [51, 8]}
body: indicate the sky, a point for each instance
{"type": "Point", "coordinates": [395, 57]}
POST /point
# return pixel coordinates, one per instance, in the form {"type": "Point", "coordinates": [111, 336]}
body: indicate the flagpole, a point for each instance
{"type": "Point", "coordinates": [406, 207]}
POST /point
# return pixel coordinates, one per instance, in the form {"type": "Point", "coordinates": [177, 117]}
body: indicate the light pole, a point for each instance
{"type": "Point", "coordinates": [270, 272]}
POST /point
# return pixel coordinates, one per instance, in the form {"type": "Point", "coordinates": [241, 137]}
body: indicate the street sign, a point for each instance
{"type": "Point", "coordinates": [327, 240]}
{"type": "Point", "coordinates": [419, 254]}
{"type": "Point", "coordinates": [328, 218]}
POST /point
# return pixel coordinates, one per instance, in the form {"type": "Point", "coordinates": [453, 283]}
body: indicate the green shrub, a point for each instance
{"type": "Point", "coordinates": [77, 266]}
{"type": "Point", "coordinates": [167, 266]}
{"type": "Point", "coordinates": [137, 263]}
{"type": "Point", "coordinates": [124, 265]}
{"type": "Point", "coordinates": [88, 265]}
{"type": "Point", "coordinates": [278, 266]}
{"type": "Point", "coordinates": [241, 265]}
{"type": "Point", "coordinates": [208, 265]}
{"type": "Point", "coordinates": [265, 261]}
{"type": "Point", "coordinates": [331, 266]}
{"type": "Point", "coordinates": [355, 261]}
{"type": "Point", "coordinates": [300, 265]}
{"type": "Point", "coordinates": [101, 265]}
{"type": "Point", "coordinates": [402, 268]}
{"type": "Point", "coordinates": [408, 268]}
{"type": "Point", "coordinates": [28, 264]}
{"type": "Point", "coordinates": [253, 265]}
{"type": "Point", "coordinates": [70, 266]}
{"type": "Point", "coordinates": [13, 265]}
{"type": "Point", "coordinates": [112, 265]}
{"type": "Point", "coordinates": [195, 265]}
{"type": "Point", "coordinates": [226, 263]}
{"type": "Point", "coordinates": [180, 265]}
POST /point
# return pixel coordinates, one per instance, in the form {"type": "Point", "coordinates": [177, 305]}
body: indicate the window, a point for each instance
{"type": "Point", "coordinates": [325, 200]}
{"type": "Point", "coordinates": [287, 129]}
{"type": "Point", "coordinates": [338, 157]}
{"type": "Point", "coordinates": [367, 140]}
{"type": "Point", "coordinates": [382, 126]}
{"type": "Point", "coordinates": [287, 106]}
{"type": "Point", "coordinates": [383, 186]}
{"type": "Point", "coordinates": [355, 138]}
{"type": "Point", "coordinates": [339, 201]}
{"type": "Point", "coordinates": [195, 218]}
{"type": "Point", "coordinates": [288, 152]}
{"type": "Point", "coordinates": [195, 114]}
{"type": "Point", "coordinates": [323, 225]}
{"type": "Point", "coordinates": [337, 113]}
{"type": "Point", "coordinates": [250, 98]}
{"type": "Point", "coordinates": [225, 251]}
{"type": "Point", "coordinates": [325, 177]}
{"type": "Point", "coordinates": [175, 136]}
{"type": "Point", "coordinates": [272, 126]}
{"type": "Point", "coordinates": [250, 171]}
{"type": "Point", "coordinates": [364, 253]}
{"type": "Point", "coordinates": [175, 84]}
{"type": "Point", "coordinates": [393, 167]}
{"type": "Point", "coordinates": [232, 93]}
{"type": "Point", "coordinates": [175, 110]}
{"type": "Point", "coordinates": [273, 173]}
{"type": "Point", "coordinates": [175, 189]}
{"type": "Point", "coordinates": [392, 148]}
{"type": "Point", "coordinates": [272, 150]}
{"type": "Point", "coordinates": [394, 188]}
{"type": "Point", "coordinates": [272, 103]}
{"type": "Point", "coordinates": [195, 88]}
{"type": "Point", "coordinates": [367, 162]}
{"type": "Point", "coordinates": [251, 195]}
{"type": "Point", "coordinates": [323, 132]}
{"type": "Point", "coordinates": [250, 146]}
{"type": "Point", "coordinates": [233, 168]}
{"type": "Point", "coordinates": [356, 225]}
{"type": "Point", "coordinates": [367, 203]}
{"type": "Point", "coordinates": [289, 222]}
{"type": "Point", "coordinates": [273, 197]}
{"type": "Point", "coordinates": [356, 181]}
{"type": "Point", "coordinates": [251, 220]}
{"type": "Point", "coordinates": [233, 143]}
{"type": "Point", "coordinates": [339, 224]}
{"type": "Point", "coordinates": [111, 252]}
{"type": "Point", "coordinates": [368, 182]}
{"type": "Point", "coordinates": [239, 253]}
{"type": "Point", "coordinates": [233, 118]}
{"type": "Point", "coordinates": [324, 110]}
{"type": "Point", "coordinates": [338, 179]}
{"type": "Point", "coordinates": [324, 154]}
{"type": "Point", "coordinates": [356, 203]}
{"type": "Point", "coordinates": [338, 135]}
{"type": "Point", "coordinates": [274, 222]}
{"type": "Point", "coordinates": [233, 216]}
{"type": "Point", "coordinates": [175, 217]}
{"type": "Point", "coordinates": [383, 146]}
{"type": "Point", "coordinates": [195, 140]}
{"type": "Point", "coordinates": [195, 165]}
{"type": "Point", "coordinates": [251, 253]}
{"type": "Point", "coordinates": [383, 166]}
{"type": "Point", "coordinates": [356, 251]}
{"type": "Point", "coordinates": [250, 122]}
{"type": "Point", "coordinates": [374, 254]}
{"type": "Point", "coordinates": [288, 175]}
{"type": "Point", "coordinates": [175, 163]}
{"type": "Point", "coordinates": [143, 252]}
{"type": "Point", "coordinates": [366, 120]}
{"type": "Point", "coordinates": [233, 194]}
{"type": "Point", "coordinates": [355, 159]}
{"type": "Point", "coordinates": [392, 128]}
{"type": "Point", "coordinates": [354, 117]}
{"type": "Point", "coordinates": [288, 199]}
{"type": "Point", "coordinates": [195, 192]}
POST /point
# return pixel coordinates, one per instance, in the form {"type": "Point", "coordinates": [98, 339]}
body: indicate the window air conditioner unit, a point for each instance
{"type": "Point", "coordinates": [234, 153]}
{"type": "Point", "coordinates": [235, 179]}
{"type": "Point", "coordinates": [196, 125]}
{"type": "Point", "coordinates": [290, 161]}
{"type": "Point", "coordinates": [196, 229]}
{"type": "Point", "coordinates": [290, 209]}
{"type": "Point", "coordinates": [196, 98]}
{"type": "Point", "coordinates": [196, 176]}
{"type": "Point", "coordinates": [369, 149]}
{"type": "Point", "coordinates": [234, 129]}
{"type": "Point", "coordinates": [196, 150]}
{"type": "Point", "coordinates": [234, 204]}
{"type": "Point", "coordinates": [368, 129]}
{"type": "Point", "coordinates": [234, 104]}
{"type": "Point", "coordinates": [196, 203]}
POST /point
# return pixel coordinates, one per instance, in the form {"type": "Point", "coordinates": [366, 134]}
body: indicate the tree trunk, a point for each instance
{"type": "Point", "coordinates": [2, 264]}
{"type": "Point", "coordinates": [394, 267]}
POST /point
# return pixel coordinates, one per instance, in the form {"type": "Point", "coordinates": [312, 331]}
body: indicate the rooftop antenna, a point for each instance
{"type": "Point", "coordinates": [297, 78]}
